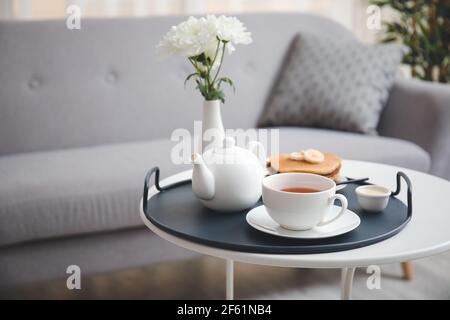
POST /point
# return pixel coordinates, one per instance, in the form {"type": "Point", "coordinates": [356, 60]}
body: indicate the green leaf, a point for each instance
{"type": "Point", "coordinates": [200, 58]}
{"type": "Point", "coordinates": [227, 81]}
{"type": "Point", "coordinates": [220, 95]}
{"type": "Point", "coordinates": [389, 38]}
{"type": "Point", "coordinates": [189, 77]}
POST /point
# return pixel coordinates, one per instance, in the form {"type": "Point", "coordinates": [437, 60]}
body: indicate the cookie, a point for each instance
{"type": "Point", "coordinates": [329, 167]}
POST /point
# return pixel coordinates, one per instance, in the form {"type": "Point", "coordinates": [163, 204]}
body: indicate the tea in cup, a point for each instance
{"type": "Point", "coordinates": [301, 201]}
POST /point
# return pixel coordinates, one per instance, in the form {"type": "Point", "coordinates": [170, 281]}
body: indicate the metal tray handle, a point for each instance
{"type": "Point", "coordinates": [409, 191]}
{"type": "Point", "coordinates": [155, 170]}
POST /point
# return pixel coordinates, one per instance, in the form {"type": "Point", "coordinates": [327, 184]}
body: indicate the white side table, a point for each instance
{"type": "Point", "coordinates": [428, 233]}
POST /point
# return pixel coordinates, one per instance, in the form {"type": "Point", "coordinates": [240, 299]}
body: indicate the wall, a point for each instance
{"type": "Point", "coordinates": [350, 13]}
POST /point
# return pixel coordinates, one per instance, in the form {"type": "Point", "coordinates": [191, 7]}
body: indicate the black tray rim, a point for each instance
{"type": "Point", "coordinates": [314, 249]}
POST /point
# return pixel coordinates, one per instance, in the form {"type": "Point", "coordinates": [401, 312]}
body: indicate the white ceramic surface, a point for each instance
{"type": "Point", "coordinates": [213, 132]}
{"type": "Point", "coordinates": [259, 219]}
{"type": "Point", "coordinates": [373, 198]}
{"type": "Point", "coordinates": [300, 211]}
{"type": "Point", "coordinates": [228, 178]}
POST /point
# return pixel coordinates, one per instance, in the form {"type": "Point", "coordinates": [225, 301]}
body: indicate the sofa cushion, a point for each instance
{"type": "Point", "coordinates": [89, 190]}
{"type": "Point", "coordinates": [333, 84]}
{"type": "Point", "coordinates": [85, 190]}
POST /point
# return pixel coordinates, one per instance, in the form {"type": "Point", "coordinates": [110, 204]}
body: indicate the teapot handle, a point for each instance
{"type": "Point", "coordinates": [257, 148]}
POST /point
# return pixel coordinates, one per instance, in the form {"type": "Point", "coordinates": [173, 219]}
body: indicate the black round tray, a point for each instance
{"type": "Point", "coordinates": [177, 211]}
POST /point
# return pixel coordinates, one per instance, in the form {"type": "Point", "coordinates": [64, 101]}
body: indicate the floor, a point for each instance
{"type": "Point", "coordinates": [204, 278]}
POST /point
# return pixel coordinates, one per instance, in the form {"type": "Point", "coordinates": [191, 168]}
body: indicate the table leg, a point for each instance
{"type": "Point", "coordinates": [230, 279]}
{"type": "Point", "coordinates": [343, 276]}
{"type": "Point", "coordinates": [347, 283]}
{"type": "Point", "coordinates": [407, 270]}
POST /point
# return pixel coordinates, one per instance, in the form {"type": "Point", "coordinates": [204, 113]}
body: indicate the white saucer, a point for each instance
{"type": "Point", "coordinates": [259, 219]}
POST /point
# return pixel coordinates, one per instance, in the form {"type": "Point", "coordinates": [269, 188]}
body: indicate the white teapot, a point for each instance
{"type": "Point", "coordinates": [229, 178]}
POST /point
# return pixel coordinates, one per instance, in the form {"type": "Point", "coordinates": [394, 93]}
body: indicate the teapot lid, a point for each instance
{"type": "Point", "coordinates": [229, 147]}
{"type": "Point", "coordinates": [229, 153]}
{"type": "Point", "coordinates": [228, 142]}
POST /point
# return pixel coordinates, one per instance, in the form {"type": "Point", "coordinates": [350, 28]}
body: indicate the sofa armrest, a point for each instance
{"type": "Point", "coordinates": [419, 111]}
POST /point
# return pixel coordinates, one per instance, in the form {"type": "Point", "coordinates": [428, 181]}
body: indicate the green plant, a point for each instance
{"type": "Point", "coordinates": [208, 81]}
{"type": "Point", "coordinates": [424, 27]}
{"type": "Point", "coordinates": [204, 41]}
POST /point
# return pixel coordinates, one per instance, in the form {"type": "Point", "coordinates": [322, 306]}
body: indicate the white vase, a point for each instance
{"type": "Point", "coordinates": [212, 127]}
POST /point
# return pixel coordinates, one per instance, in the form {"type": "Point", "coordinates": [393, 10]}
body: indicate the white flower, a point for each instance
{"type": "Point", "coordinates": [196, 36]}
{"type": "Point", "coordinates": [189, 38]}
{"type": "Point", "coordinates": [233, 30]}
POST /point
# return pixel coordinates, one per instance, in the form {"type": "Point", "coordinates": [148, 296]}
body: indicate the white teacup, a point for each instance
{"type": "Point", "coordinates": [300, 211]}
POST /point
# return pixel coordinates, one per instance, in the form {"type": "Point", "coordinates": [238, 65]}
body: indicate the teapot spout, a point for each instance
{"type": "Point", "coordinates": [202, 179]}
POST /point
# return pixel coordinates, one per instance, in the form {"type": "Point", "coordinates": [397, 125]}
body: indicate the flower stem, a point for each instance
{"type": "Point", "coordinates": [194, 63]}
{"type": "Point", "coordinates": [210, 66]}
{"type": "Point", "coordinates": [221, 61]}
{"type": "Point", "coordinates": [216, 53]}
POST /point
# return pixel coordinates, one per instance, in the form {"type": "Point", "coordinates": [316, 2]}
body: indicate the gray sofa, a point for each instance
{"type": "Point", "coordinates": [85, 113]}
